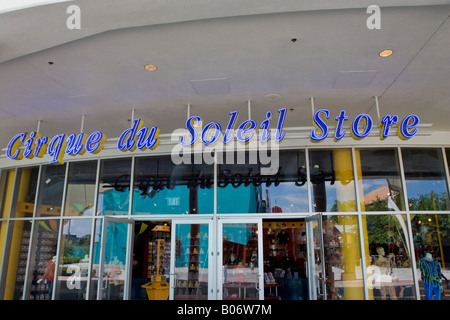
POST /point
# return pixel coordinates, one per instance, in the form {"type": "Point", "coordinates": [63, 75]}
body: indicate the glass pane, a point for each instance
{"type": "Point", "coordinates": [240, 261]}
{"type": "Point", "coordinates": [96, 260]}
{"type": "Point", "coordinates": [431, 243]}
{"type": "Point", "coordinates": [24, 199]}
{"type": "Point", "coordinates": [254, 188]}
{"type": "Point", "coordinates": [17, 264]}
{"type": "Point", "coordinates": [74, 260]}
{"type": "Point", "coordinates": [379, 180]}
{"type": "Point", "coordinates": [51, 190]}
{"type": "Point", "coordinates": [317, 248]}
{"type": "Point", "coordinates": [114, 188]}
{"type": "Point", "coordinates": [6, 192]}
{"type": "Point", "coordinates": [43, 259]}
{"type": "Point", "coordinates": [425, 179]}
{"type": "Point", "coordinates": [343, 258]}
{"type": "Point", "coordinates": [332, 182]}
{"type": "Point", "coordinates": [191, 262]}
{"type": "Point", "coordinates": [80, 188]}
{"type": "Point", "coordinates": [116, 265]}
{"type": "Point", "coordinates": [161, 187]}
{"type": "Point", "coordinates": [151, 260]}
{"type": "Point", "coordinates": [389, 268]}
{"type": "Point", "coordinates": [284, 246]}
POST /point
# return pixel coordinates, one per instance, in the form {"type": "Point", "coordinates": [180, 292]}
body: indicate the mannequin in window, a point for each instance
{"type": "Point", "coordinates": [385, 264]}
{"type": "Point", "coordinates": [253, 260]}
{"type": "Point", "coordinates": [283, 237]}
{"type": "Point", "coordinates": [431, 277]}
{"type": "Point", "coordinates": [49, 275]}
{"type": "Point", "coordinates": [115, 269]}
{"type": "Point", "coordinates": [232, 260]}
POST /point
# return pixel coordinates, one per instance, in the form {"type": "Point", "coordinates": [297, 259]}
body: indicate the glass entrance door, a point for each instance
{"type": "Point", "coordinates": [315, 258]}
{"type": "Point", "coordinates": [114, 273]}
{"type": "Point", "coordinates": [240, 260]}
{"type": "Point", "coordinates": [190, 275]}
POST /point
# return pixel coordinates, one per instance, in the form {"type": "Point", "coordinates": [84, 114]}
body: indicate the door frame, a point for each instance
{"type": "Point", "coordinates": [128, 256]}
{"type": "Point", "coordinates": [219, 257]}
{"type": "Point", "coordinates": [211, 257]}
{"type": "Point", "coordinates": [314, 287]}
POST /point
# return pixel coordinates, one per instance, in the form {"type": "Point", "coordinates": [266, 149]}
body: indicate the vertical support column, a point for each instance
{"type": "Point", "coordinates": [6, 202]}
{"type": "Point", "coordinates": [16, 232]}
{"type": "Point", "coordinates": [93, 228]}
{"type": "Point", "coordinates": [344, 174]}
{"type": "Point", "coordinates": [362, 222]}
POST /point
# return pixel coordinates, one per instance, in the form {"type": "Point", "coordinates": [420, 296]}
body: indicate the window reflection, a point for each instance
{"type": "Point", "coordinates": [114, 188]}
{"type": "Point", "coordinates": [252, 189]}
{"type": "Point", "coordinates": [43, 259]}
{"type": "Point", "coordinates": [332, 182]}
{"type": "Point", "coordinates": [379, 180]}
{"type": "Point", "coordinates": [24, 198]}
{"type": "Point", "coordinates": [191, 262]}
{"type": "Point", "coordinates": [51, 191]}
{"type": "Point", "coordinates": [240, 261]}
{"type": "Point", "coordinates": [17, 262]}
{"type": "Point", "coordinates": [162, 187]}
{"type": "Point", "coordinates": [342, 258]}
{"type": "Point", "coordinates": [80, 188]}
{"type": "Point", "coordinates": [388, 262]}
{"type": "Point", "coordinates": [425, 179]}
{"type": "Point", "coordinates": [431, 234]}
{"type": "Point", "coordinates": [74, 259]}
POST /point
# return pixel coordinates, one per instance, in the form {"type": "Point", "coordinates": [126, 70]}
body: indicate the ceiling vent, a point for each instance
{"type": "Point", "coordinates": [354, 79]}
{"type": "Point", "coordinates": [211, 87]}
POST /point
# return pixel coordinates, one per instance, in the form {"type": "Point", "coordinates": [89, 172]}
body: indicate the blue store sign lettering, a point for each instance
{"type": "Point", "coordinates": [30, 145]}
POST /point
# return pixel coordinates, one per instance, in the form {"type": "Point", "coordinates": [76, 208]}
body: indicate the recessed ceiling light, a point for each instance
{"type": "Point", "coordinates": [150, 67]}
{"type": "Point", "coordinates": [386, 53]}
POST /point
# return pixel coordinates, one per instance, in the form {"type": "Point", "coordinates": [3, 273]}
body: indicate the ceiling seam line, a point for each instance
{"type": "Point", "coordinates": [412, 59]}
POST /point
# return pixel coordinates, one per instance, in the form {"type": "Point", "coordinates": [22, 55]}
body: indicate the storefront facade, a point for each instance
{"type": "Point", "coordinates": [364, 216]}
{"type": "Point", "coordinates": [267, 155]}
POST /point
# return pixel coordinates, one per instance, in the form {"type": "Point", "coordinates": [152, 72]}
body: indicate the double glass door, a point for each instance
{"type": "Point", "coordinates": [210, 259]}
{"type": "Point", "coordinates": [216, 260]}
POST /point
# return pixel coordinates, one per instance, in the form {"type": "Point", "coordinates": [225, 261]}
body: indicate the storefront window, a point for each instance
{"type": "Point", "coordinates": [285, 260]}
{"type": "Point", "coordinates": [276, 186]}
{"type": "Point", "coordinates": [431, 234]}
{"type": "Point", "coordinates": [191, 262]}
{"type": "Point", "coordinates": [17, 261]}
{"type": "Point", "coordinates": [51, 190]}
{"type": "Point", "coordinates": [379, 180]}
{"type": "Point", "coordinates": [41, 273]}
{"type": "Point", "coordinates": [425, 179]}
{"type": "Point", "coordinates": [6, 192]}
{"type": "Point", "coordinates": [74, 260]}
{"type": "Point", "coordinates": [162, 187]}
{"type": "Point", "coordinates": [114, 188]}
{"type": "Point", "coordinates": [332, 183]}
{"type": "Point", "coordinates": [151, 257]}
{"type": "Point", "coordinates": [80, 189]}
{"type": "Point", "coordinates": [240, 261]}
{"type": "Point", "coordinates": [342, 258]}
{"type": "Point", "coordinates": [95, 260]}
{"type": "Point", "coordinates": [387, 247]}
